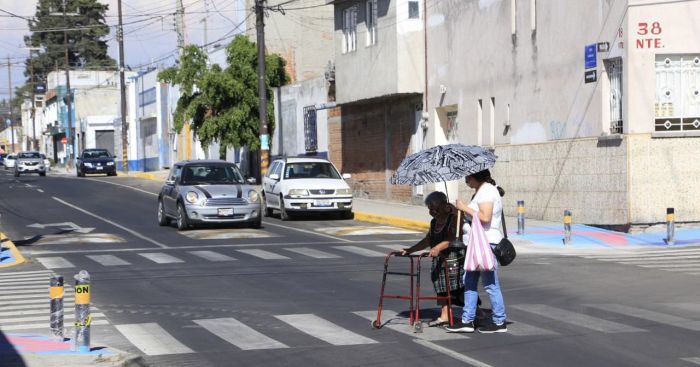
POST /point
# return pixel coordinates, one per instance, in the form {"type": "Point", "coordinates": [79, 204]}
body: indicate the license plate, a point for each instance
{"type": "Point", "coordinates": [225, 212]}
{"type": "Point", "coordinates": [99, 168]}
{"type": "Point", "coordinates": [323, 203]}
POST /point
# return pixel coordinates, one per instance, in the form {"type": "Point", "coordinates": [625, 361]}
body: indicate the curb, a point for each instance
{"type": "Point", "coordinates": [395, 221]}
{"type": "Point", "coordinates": [19, 259]}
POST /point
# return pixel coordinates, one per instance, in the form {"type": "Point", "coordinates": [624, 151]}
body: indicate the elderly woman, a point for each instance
{"type": "Point", "coordinates": [443, 230]}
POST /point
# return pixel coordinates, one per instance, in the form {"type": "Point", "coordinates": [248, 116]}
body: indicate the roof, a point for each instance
{"type": "Point", "coordinates": [303, 159]}
{"type": "Point", "coordinates": [205, 161]}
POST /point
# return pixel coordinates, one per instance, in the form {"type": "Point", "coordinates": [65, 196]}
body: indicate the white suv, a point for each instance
{"type": "Point", "coordinates": [305, 185]}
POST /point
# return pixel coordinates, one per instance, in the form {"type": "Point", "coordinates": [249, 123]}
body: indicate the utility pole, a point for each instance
{"type": "Point", "coordinates": [122, 90]}
{"type": "Point", "coordinates": [180, 25]}
{"type": "Point", "coordinates": [69, 97]}
{"type": "Point", "coordinates": [35, 144]}
{"type": "Point", "coordinates": [262, 87]}
{"type": "Point", "coordinates": [204, 20]}
{"type": "Point", "coordinates": [12, 119]}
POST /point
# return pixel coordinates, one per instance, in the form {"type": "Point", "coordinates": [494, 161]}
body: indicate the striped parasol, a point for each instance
{"type": "Point", "coordinates": [443, 163]}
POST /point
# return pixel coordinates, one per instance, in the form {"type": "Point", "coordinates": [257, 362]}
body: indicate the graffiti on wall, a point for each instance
{"type": "Point", "coordinates": [557, 129]}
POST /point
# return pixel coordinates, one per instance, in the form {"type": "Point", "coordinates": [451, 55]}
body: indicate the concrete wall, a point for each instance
{"type": "Point", "coordinates": [288, 137]}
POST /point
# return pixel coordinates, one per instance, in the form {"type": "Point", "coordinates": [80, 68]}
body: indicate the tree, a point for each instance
{"type": "Point", "coordinates": [86, 31]}
{"type": "Point", "coordinates": [222, 104]}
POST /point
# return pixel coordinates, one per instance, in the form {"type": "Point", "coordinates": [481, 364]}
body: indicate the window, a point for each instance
{"type": "Point", "coordinates": [533, 16]}
{"type": "Point", "coordinates": [272, 169]}
{"type": "Point", "coordinates": [310, 170]}
{"type": "Point", "coordinates": [350, 29]}
{"type": "Point", "coordinates": [371, 21]}
{"type": "Point", "coordinates": [677, 106]}
{"type": "Point", "coordinates": [310, 131]}
{"type": "Point", "coordinates": [413, 10]}
{"type": "Point", "coordinates": [613, 68]}
{"type": "Point", "coordinates": [492, 121]}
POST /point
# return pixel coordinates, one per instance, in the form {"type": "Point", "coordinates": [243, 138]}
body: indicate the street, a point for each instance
{"type": "Point", "coordinates": [304, 292]}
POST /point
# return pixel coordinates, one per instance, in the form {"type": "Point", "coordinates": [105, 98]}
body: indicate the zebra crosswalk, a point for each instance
{"type": "Point", "coordinates": [685, 260]}
{"type": "Point", "coordinates": [125, 258]}
{"type": "Point", "coordinates": [24, 302]}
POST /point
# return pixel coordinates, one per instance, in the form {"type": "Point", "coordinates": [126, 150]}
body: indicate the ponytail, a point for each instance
{"type": "Point", "coordinates": [485, 176]}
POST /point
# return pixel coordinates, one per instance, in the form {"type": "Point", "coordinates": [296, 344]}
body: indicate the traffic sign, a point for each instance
{"type": "Point", "coordinates": [590, 56]}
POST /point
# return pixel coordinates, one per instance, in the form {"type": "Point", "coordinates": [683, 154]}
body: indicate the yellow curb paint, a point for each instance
{"type": "Point", "coordinates": [395, 221]}
{"type": "Point", "coordinates": [17, 255]}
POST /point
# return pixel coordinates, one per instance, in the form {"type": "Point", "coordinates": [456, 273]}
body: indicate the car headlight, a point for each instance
{"type": "Point", "coordinates": [298, 192]}
{"type": "Point", "coordinates": [191, 197]}
{"type": "Point", "coordinates": [110, 163]}
{"type": "Point", "coordinates": [253, 196]}
{"type": "Point", "coordinates": [343, 192]}
{"type": "Point", "coordinates": [87, 164]}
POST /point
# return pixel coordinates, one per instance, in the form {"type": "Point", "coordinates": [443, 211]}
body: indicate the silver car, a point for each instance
{"type": "Point", "coordinates": [29, 162]}
{"type": "Point", "coordinates": [208, 191]}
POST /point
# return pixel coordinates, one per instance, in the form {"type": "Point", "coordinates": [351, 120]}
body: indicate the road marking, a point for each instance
{"type": "Point", "coordinates": [226, 234]}
{"type": "Point", "coordinates": [126, 186]}
{"type": "Point", "coordinates": [55, 262]}
{"type": "Point", "coordinates": [695, 360]}
{"type": "Point", "coordinates": [152, 339]}
{"type": "Point", "coordinates": [239, 334]}
{"type": "Point", "coordinates": [577, 319]}
{"type": "Point", "coordinates": [324, 330]}
{"type": "Point", "coordinates": [451, 353]}
{"type": "Point", "coordinates": [40, 190]}
{"type": "Point", "coordinates": [46, 317]}
{"type": "Point", "coordinates": [518, 328]}
{"type": "Point", "coordinates": [212, 256]}
{"type": "Point", "coordinates": [28, 290]}
{"type": "Point", "coordinates": [40, 305]}
{"type": "Point", "coordinates": [674, 265]}
{"type": "Point", "coordinates": [27, 282]}
{"type": "Point", "coordinates": [649, 315]}
{"type": "Point", "coordinates": [132, 232]}
{"type": "Point", "coordinates": [651, 258]}
{"type": "Point", "coordinates": [30, 296]}
{"type": "Point", "coordinates": [108, 260]}
{"type": "Point", "coordinates": [364, 230]}
{"type": "Point", "coordinates": [394, 247]}
{"type": "Point", "coordinates": [360, 251]}
{"type": "Point", "coordinates": [66, 239]}
{"type": "Point", "coordinates": [267, 255]}
{"type": "Point", "coordinates": [316, 254]}
{"type": "Point", "coordinates": [308, 232]}
{"type": "Point", "coordinates": [26, 273]}
{"type": "Point", "coordinates": [390, 319]}
{"type": "Point", "coordinates": [161, 258]}
{"type": "Point", "coordinates": [31, 311]}
{"type": "Point", "coordinates": [42, 325]}
{"type": "Point", "coordinates": [692, 307]}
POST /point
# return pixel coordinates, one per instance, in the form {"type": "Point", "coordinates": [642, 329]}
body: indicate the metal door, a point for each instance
{"type": "Point", "coordinates": [104, 139]}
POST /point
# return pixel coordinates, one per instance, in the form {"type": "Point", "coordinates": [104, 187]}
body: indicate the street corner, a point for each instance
{"type": "Point", "coordinates": [365, 230]}
{"type": "Point", "coordinates": [392, 221]}
{"type": "Point", "coordinates": [38, 350]}
{"type": "Point", "coordinates": [9, 255]}
{"type": "Point", "coordinates": [227, 234]}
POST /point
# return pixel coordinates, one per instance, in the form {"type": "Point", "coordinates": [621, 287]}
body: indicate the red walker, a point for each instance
{"type": "Point", "coordinates": [414, 275]}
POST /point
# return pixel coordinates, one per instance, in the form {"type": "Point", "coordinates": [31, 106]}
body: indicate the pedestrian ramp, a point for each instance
{"type": "Point", "coordinates": [24, 302]}
{"type": "Point", "coordinates": [676, 260]}
{"type": "Point", "coordinates": [289, 331]}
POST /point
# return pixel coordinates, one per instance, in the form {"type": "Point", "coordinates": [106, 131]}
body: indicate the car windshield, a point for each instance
{"type": "Point", "coordinates": [29, 155]}
{"type": "Point", "coordinates": [11, 156]}
{"type": "Point", "coordinates": [310, 170]}
{"type": "Point", "coordinates": [211, 174]}
{"type": "Point", "coordinates": [96, 154]}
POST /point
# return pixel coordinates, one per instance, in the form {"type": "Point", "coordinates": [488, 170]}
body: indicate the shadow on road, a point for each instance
{"type": "Point", "coordinates": [9, 356]}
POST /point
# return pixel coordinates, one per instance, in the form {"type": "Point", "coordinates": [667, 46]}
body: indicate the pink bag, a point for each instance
{"type": "Point", "coordinates": [479, 255]}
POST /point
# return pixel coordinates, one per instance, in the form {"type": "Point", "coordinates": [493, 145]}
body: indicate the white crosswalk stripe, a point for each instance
{"type": "Point", "coordinates": [108, 260]}
{"type": "Point", "coordinates": [694, 360]}
{"type": "Point", "coordinates": [316, 254]}
{"type": "Point", "coordinates": [324, 330]}
{"type": "Point", "coordinates": [152, 339]}
{"type": "Point", "coordinates": [239, 334]}
{"type": "Point", "coordinates": [212, 256]}
{"type": "Point", "coordinates": [653, 316]}
{"type": "Point", "coordinates": [360, 251]}
{"type": "Point", "coordinates": [161, 258]}
{"type": "Point", "coordinates": [391, 319]}
{"type": "Point", "coordinates": [265, 255]}
{"type": "Point", "coordinates": [686, 260]}
{"type": "Point", "coordinates": [577, 319]}
{"type": "Point", "coordinates": [55, 262]}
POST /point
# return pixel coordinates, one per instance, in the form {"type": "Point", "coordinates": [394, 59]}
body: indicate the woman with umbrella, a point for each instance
{"type": "Point", "coordinates": [443, 231]}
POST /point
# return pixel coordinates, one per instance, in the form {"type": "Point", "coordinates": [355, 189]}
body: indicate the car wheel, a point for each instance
{"type": "Point", "coordinates": [283, 212]}
{"type": "Point", "coordinates": [257, 223]}
{"type": "Point", "coordinates": [42, 174]}
{"type": "Point", "coordinates": [163, 219]}
{"type": "Point", "coordinates": [112, 174]}
{"type": "Point", "coordinates": [347, 215]}
{"type": "Point", "coordinates": [266, 211]}
{"type": "Point", "coordinates": [182, 220]}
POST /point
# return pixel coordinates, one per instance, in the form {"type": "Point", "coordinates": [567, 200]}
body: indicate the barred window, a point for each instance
{"type": "Point", "coordinates": [677, 105]}
{"type": "Point", "coordinates": [350, 29]}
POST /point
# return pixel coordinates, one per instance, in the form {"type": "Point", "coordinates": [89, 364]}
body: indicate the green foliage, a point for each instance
{"type": "Point", "coordinates": [222, 104]}
{"type": "Point", "coordinates": [86, 45]}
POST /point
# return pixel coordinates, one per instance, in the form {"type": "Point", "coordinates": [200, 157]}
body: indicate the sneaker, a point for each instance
{"type": "Point", "coordinates": [493, 328]}
{"type": "Point", "coordinates": [461, 327]}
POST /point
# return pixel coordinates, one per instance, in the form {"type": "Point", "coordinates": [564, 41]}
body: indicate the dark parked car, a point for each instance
{"type": "Point", "coordinates": [208, 192]}
{"type": "Point", "coordinates": [96, 161]}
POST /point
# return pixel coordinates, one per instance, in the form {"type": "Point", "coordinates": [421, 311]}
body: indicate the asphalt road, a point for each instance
{"type": "Point", "coordinates": [304, 292]}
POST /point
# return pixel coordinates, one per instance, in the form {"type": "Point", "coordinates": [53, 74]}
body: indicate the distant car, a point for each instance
{"type": "Point", "coordinates": [2, 158]}
{"type": "Point", "coordinates": [29, 162]}
{"type": "Point", "coordinates": [9, 161]}
{"type": "Point", "coordinates": [208, 191]}
{"type": "Point", "coordinates": [95, 161]}
{"type": "Point", "coordinates": [47, 162]}
{"type": "Point", "coordinates": [295, 185]}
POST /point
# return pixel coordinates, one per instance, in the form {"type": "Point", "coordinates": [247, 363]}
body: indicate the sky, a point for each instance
{"type": "Point", "coordinates": [149, 31]}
